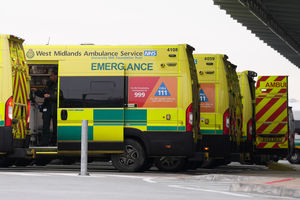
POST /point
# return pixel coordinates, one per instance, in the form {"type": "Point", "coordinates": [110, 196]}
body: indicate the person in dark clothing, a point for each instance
{"type": "Point", "coordinates": [49, 109]}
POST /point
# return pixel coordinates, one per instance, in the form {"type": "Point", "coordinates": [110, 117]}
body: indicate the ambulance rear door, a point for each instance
{"type": "Point", "coordinates": [207, 77]}
{"type": "Point", "coordinates": [271, 112]}
{"type": "Point", "coordinates": [20, 90]}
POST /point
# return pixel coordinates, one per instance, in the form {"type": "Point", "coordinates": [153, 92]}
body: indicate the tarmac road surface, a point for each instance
{"type": "Point", "coordinates": [63, 182]}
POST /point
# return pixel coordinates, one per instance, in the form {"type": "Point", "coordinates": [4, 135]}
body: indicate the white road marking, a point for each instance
{"type": "Point", "coordinates": [22, 174]}
{"type": "Point", "coordinates": [147, 179]}
{"type": "Point", "coordinates": [126, 176]}
{"type": "Point", "coordinates": [62, 174]}
{"type": "Point", "coordinates": [206, 190]}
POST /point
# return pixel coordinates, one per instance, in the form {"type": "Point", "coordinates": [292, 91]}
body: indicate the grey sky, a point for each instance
{"type": "Point", "coordinates": [115, 22]}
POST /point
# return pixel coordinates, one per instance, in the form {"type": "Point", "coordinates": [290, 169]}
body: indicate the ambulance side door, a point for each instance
{"type": "Point", "coordinates": [98, 99]}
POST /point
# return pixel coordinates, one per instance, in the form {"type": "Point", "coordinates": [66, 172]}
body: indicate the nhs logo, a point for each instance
{"type": "Point", "coordinates": [150, 53]}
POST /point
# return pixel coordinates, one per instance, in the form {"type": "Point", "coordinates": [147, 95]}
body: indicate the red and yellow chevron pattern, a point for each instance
{"type": "Point", "coordinates": [271, 112]}
{"type": "Point", "coordinates": [20, 88]}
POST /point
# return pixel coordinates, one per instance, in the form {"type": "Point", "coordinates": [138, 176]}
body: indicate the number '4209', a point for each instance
{"type": "Point", "coordinates": [172, 49]}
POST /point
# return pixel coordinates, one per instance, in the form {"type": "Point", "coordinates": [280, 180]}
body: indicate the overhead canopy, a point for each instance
{"type": "Point", "coordinates": [276, 22]}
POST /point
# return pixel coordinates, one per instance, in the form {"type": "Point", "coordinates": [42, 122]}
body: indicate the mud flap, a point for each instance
{"type": "Point", "coordinates": [6, 139]}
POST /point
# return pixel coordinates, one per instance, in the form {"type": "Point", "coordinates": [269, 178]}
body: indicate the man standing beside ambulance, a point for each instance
{"type": "Point", "coordinates": [49, 109]}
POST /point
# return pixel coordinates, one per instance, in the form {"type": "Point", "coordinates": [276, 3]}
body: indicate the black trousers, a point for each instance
{"type": "Point", "coordinates": [49, 113]}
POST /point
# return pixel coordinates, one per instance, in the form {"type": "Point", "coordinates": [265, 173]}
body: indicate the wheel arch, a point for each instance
{"type": "Point", "coordinates": [138, 135]}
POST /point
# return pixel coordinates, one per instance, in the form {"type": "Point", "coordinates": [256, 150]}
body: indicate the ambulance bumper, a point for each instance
{"type": "Point", "coordinates": [169, 143]}
{"type": "Point", "coordinates": [218, 145]}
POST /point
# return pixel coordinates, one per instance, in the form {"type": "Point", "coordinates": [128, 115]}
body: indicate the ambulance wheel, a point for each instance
{"type": "Point", "coordinates": [261, 160]}
{"type": "Point", "coordinates": [295, 158]}
{"type": "Point", "coordinates": [209, 164]}
{"type": "Point", "coordinates": [4, 162]}
{"type": "Point", "coordinates": [213, 163]}
{"type": "Point", "coordinates": [23, 162]}
{"type": "Point", "coordinates": [192, 165]}
{"type": "Point", "coordinates": [132, 160]}
{"type": "Point", "coordinates": [170, 164]}
{"type": "Point", "coordinates": [42, 161]}
{"type": "Point", "coordinates": [68, 161]}
{"type": "Point", "coordinates": [147, 165]}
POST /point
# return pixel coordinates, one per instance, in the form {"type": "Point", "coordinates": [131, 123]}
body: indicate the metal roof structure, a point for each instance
{"type": "Point", "coordinates": [276, 22]}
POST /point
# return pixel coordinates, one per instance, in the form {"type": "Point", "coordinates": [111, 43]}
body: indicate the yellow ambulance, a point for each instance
{"type": "Point", "coordinates": [14, 95]}
{"type": "Point", "coordinates": [220, 107]}
{"type": "Point", "coordinates": [247, 86]}
{"type": "Point", "coordinates": [267, 133]}
{"type": "Point", "coordinates": [141, 102]}
{"type": "Point", "coordinates": [272, 116]}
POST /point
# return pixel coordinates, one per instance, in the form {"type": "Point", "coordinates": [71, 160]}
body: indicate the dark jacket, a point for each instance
{"type": "Point", "coordinates": [51, 88]}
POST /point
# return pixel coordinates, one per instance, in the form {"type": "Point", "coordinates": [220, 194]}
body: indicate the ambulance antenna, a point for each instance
{"type": "Point", "coordinates": [48, 41]}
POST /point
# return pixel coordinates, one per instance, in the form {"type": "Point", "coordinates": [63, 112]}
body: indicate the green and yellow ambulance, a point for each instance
{"type": "Point", "coordinates": [247, 86]}
{"type": "Point", "coordinates": [272, 116]}
{"type": "Point", "coordinates": [141, 102]}
{"type": "Point", "coordinates": [220, 107]}
{"type": "Point", "coordinates": [267, 123]}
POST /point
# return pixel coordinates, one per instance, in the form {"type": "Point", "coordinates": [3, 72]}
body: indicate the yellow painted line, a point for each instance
{"type": "Point", "coordinates": [46, 153]}
{"type": "Point", "coordinates": [89, 152]}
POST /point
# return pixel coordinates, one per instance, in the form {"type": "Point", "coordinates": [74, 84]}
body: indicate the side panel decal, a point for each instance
{"type": "Point", "coordinates": [153, 92]}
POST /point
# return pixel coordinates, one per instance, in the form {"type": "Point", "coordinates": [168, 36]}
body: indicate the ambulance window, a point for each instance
{"type": "Point", "coordinates": [91, 92]}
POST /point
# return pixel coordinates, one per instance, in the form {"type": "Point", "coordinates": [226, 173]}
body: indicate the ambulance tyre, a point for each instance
{"type": "Point", "coordinates": [68, 161]}
{"type": "Point", "coordinates": [132, 160]}
{"type": "Point", "coordinates": [23, 162]}
{"type": "Point", "coordinates": [213, 163]}
{"type": "Point", "coordinates": [192, 165]}
{"type": "Point", "coordinates": [42, 161]}
{"type": "Point", "coordinates": [295, 157]}
{"type": "Point", "coordinates": [209, 164]}
{"type": "Point", "coordinates": [147, 165]}
{"type": "Point", "coordinates": [5, 162]}
{"type": "Point", "coordinates": [170, 164]}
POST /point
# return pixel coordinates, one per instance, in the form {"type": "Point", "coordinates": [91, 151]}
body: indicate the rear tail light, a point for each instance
{"type": "Point", "coordinates": [8, 111]}
{"type": "Point", "coordinates": [189, 118]}
{"type": "Point", "coordinates": [28, 113]}
{"type": "Point", "coordinates": [249, 130]}
{"type": "Point", "coordinates": [226, 122]}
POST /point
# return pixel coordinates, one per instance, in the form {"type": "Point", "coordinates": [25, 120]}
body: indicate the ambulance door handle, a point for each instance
{"type": "Point", "coordinates": [209, 72]}
{"type": "Point", "coordinates": [64, 114]}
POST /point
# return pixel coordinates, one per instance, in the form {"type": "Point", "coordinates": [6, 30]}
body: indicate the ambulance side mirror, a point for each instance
{"type": "Point", "coordinates": [64, 114]}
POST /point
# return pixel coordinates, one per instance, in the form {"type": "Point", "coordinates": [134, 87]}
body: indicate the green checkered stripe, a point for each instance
{"type": "Point", "coordinates": [132, 118]}
{"type": "Point", "coordinates": [211, 132]}
{"type": "Point", "coordinates": [113, 117]}
{"type": "Point", "coordinates": [297, 143]}
{"type": "Point", "coordinates": [1, 123]}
